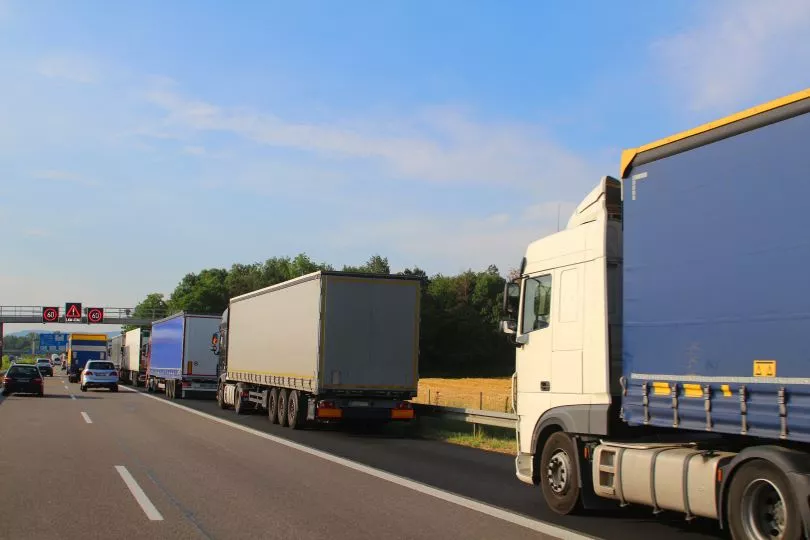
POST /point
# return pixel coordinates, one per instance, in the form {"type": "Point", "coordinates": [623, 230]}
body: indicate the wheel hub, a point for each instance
{"type": "Point", "coordinates": [764, 513]}
{"type": "Point", "coordinates": [558, 472]}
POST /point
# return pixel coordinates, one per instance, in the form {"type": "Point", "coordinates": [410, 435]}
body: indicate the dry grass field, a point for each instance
{"type": "Point", "coordinates": [493, 394]}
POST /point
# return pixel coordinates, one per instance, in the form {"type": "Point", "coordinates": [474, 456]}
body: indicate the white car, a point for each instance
{"type": "Point", "coordinates": [99, 374]}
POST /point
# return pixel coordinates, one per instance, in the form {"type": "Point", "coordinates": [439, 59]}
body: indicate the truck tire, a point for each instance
{"type": "Point", "coordinates": [294, 417]}
{"type": "Point", "coordinates": [283, 395]}
{"type": "Point", "coordinates": [559, 475]}
{"type": "Point", "coordinates": [761, 504]}
{"type": "Point", "coordinates": [221, 397]}
{"type": "Point", "coordinates": [167, 389]}
{"type": "Point", "coordinates": [272, 406]}
{"type": "Point", "coordinates": [237, 400]}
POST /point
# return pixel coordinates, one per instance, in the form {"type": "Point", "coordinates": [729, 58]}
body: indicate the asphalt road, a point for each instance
{"type": "Point", "coordinates": [101, 464]}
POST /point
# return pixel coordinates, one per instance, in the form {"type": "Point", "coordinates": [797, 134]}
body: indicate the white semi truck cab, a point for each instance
{"type": "Point", "coordinates": [658, 360]}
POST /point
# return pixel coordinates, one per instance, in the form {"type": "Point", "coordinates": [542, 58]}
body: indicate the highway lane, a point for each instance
{"type": "Point", "coordinates": [67, 461]}
{"type": "Point", "coordinates": [58, 474]}
{"type": "Point", "coordinates": [483, 476]}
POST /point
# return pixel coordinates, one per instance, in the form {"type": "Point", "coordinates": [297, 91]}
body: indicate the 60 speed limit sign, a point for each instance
{"type": "Point", "coordinates": [95, 315]}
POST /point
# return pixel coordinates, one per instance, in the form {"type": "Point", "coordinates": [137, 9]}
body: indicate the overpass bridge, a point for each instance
{"type": "Point", "coordinates": [112, 315]}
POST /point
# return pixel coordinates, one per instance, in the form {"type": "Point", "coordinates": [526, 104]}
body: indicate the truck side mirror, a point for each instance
{"type": "Point", "coordinates": [511, 300]}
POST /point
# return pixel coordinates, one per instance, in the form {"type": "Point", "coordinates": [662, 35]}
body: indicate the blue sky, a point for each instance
{"type": "Point", "coordinates": [140, 141]}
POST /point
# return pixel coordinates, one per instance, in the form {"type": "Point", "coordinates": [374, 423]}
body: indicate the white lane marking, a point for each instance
{"type": "Point", "coordinates": [86, 418]}
{"type": "Point", "coordinates": [72, 396]}
{"type": "Point", "coordinates": [146, 505]}
{"type": "Point", "coordinates": [492, 511]}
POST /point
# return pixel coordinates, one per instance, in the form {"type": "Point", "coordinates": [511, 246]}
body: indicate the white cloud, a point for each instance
{"type": "Point", "coordinates": [64, 176]}
{"type": "Point", "coordinates": [70, 66]}
{"type": "Point", "coordinates": [194, 150]}
{"type": "Point", "coordinates": [744, 51]}
{"type": "Point", "coordinates": [439, 145]}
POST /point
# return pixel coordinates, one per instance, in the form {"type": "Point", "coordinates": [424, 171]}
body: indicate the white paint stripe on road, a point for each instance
{"type": "Point", "coordinates": [492, 511]}
{"type": "Point", "coordinates": [86, 418]}
{"type": "Point", "coordinates": [146, 505]}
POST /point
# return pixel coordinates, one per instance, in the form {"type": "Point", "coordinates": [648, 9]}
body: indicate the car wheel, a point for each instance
{"type": "Point", "coordinates": [5, 393]}
{"type": "Point", "coordinates": [41, 394]}
{"type": "Point", "coordinates": [114, 388]}
{"type": "Point", "coordinates": [83, 388]}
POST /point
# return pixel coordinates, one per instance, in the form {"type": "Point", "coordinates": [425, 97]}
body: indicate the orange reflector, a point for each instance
{"type": "Point", "coordinates": [330, 413]}
{"type": "Point", "coordinates": [719, 475]}
{"type": "Point", "coordinates": [587, 452]}
{"type": "Point", "coordinates": [401, 414]}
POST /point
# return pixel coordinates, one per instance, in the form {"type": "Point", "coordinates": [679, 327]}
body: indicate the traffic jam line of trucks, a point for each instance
{"type": "Point", "coordinates": [321, 348]}
{"type": "Point", "coordinates": [662, 337]}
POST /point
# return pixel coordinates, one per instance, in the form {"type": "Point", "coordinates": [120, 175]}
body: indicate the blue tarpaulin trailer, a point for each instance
{"type": "Point", "coordinates": [180, 357]}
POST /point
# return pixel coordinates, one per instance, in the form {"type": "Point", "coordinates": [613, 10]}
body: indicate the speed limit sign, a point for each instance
{"type": "Point", "coordinates": [95, 315]}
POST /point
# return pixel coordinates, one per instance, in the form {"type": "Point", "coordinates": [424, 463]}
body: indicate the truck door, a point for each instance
{"type": "Point", "coordinates": [533, 359]}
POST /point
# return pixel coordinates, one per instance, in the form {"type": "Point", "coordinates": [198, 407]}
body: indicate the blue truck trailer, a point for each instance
{"type": "Point", "coordinates": [663, 337]}
{"type": "Point", "coordinates": [179, 357]}
{"type": "Point", "coordinates": [80, 349]}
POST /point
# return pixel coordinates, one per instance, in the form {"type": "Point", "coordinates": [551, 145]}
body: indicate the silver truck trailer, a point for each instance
{"type": "Point", "coordinates": [324, 347]}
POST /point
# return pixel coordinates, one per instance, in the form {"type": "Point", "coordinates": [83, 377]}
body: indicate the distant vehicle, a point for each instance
{"type": "Point", "coordinates": [136, 353]}
{"type": "Point", "coordinates": [57, 362]}
{"type": "Point", "coordinates": [54, 358]}
{"type": "Point", "coordinates": [324, 347]}
{"type": "Point", "coordinates": [23, 379]}
{"type": "Point", "coordinates": [99, 374]}
{"type": "Point", "coordinates": [45, 367]}
{"type": "Point", "coordinates": [179, 359]}
{"type": "Point", "coordinates": [83, 348]}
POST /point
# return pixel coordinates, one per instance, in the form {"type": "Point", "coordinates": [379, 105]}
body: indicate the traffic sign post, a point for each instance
{"type": "Point", "coordinates": [73, 312]}
{"type": "Point", "coordinates": [95, 315]}
{"type": "Point", "coordinates": [50, 314]}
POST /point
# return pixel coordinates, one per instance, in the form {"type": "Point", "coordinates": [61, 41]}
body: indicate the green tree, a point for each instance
{"type": "Point", "coordinates": [203, 293]}
{"type": "Point", "coordinates": [151, 307]}
{"type": "Point", "coordinates": [376, 264]}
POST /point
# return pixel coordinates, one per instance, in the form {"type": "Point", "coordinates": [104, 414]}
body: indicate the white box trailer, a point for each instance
{"type": "Point", "coordinates": [115, 351]}
{"type": "Point", "coordinates": [323, 347]}
{"type": "Point", "coordinates": [133, 366]}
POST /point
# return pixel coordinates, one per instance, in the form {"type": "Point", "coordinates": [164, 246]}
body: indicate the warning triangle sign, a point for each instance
{"type": "Point", "coordinates": [73, 312]}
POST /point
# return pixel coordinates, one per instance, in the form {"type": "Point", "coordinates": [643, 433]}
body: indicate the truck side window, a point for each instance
{"type": "Point", "coordinates": [536, 303]}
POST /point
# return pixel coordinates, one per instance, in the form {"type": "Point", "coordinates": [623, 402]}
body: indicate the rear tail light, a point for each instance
{"type": "Point", "coordinates": [37, 381]}
{"type": "Point", "coordinates": [88, 372]}
{"type": "Point", "coordinates": [328, 409]}
{"type": "Point", "coordinates": [114, 374]}
{"type": "Point", "coordinates": [187, 384]}
{"type": "Point", "coordinates": [404, 406]}
{"type": "Point", "coordinates": [7, 379]}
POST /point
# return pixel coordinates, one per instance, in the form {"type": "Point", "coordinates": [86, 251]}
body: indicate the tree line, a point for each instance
{"type": "Point", "coordinates": [459, 318]}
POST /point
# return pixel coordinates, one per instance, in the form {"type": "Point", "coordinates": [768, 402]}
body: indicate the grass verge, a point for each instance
{"type": "Point", "coordinates": [493, 439]}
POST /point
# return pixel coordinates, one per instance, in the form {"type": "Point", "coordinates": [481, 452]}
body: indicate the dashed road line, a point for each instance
{"type": "Point", "coordinates": [141, 498]}
{"type": "Point", "coordinates": [86, 418]}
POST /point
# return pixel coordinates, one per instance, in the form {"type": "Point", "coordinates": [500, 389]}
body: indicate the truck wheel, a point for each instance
{"type": "Point", "coordinates": [237, 400]}
{"type": "Point", "coordinates": [221, 397]}
{"type": "Point", "coordinates": [761, 504]}
{"type": "Point", "coordinates": [559, 477]}
{"type": "Point", "coordinates": [272, 406]}
{"type": "Point", "coordinates": [294, 419]}
{"type": "Point", "coordinates": [282, 407]}
{"type": "Point", "coordinates": [167, 389]}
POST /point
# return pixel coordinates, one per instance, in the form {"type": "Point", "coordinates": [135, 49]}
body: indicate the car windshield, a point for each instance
{"type": "Point", "coordinates": [23, 371]}
{"type": "Point", "coordinates": [100, 365]}
{"type": "Point", "coordinates": [42, 361]}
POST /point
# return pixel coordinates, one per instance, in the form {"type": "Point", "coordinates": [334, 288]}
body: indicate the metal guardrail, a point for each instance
{"type": "Point", "coordinates": [472, 416]}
